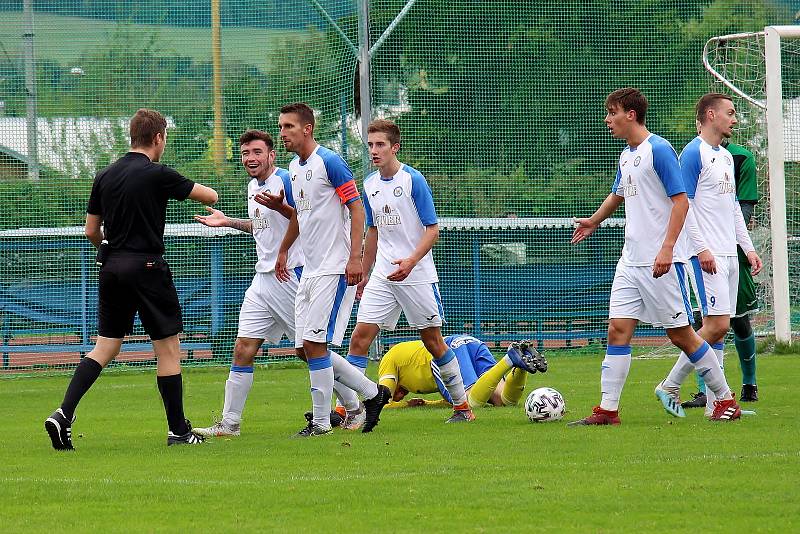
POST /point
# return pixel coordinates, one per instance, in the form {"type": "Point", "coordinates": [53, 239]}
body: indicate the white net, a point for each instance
{"type": "Point", "coordinates": [737, 63]}
{"type": "Point", "coordinates": [500, 104]}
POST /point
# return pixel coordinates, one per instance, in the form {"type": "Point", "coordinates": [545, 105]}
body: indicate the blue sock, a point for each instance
{"type": "Point", "coordinates": [701, 384]}
{"type": "Point", "coordinates": [358, 361]}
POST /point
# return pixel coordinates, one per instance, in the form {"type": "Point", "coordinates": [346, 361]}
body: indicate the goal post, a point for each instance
{"type": "Point", "coordinates": [776, 156]}
{"type": "Point", "coordinates": [750, 65]}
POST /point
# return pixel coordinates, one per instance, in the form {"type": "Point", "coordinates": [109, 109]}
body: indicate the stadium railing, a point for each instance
{"type": "Point", "coordinates": [501, 279]}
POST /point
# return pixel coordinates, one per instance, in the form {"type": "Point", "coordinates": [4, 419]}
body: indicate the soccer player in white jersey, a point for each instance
{"type": "Point", "coordinates": [650, 279]}
{"type": "Point", "coordinates": [401, 229]}
{"type": "Point", "coordinates": [267, 312]}
{"type": "Point", "coordinates": [715, 226]}
{"type": "Point", "coordinates": [329, 220]}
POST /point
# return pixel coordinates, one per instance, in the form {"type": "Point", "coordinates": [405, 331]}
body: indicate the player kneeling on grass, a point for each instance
{"type": "Point", "coordinates": [409, 367]}
{"type": "Point", "coordinates": [267, 311]}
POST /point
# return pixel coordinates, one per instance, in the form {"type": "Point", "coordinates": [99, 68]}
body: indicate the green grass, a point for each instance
{"type": "Point", "coordinates": [65, 39]}
{"type": "Point", "coordinates": [414, 474]}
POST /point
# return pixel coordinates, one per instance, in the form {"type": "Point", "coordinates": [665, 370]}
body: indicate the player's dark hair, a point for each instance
{"type": "Point", "coordinates": [302, 110]}
{"type": "Point", "coordinates": [706, 102]}
{"type": "Point", "coordinates": [629, 99]}
{"type": "Point", "coordinates": [388, 127]}
{"type": "Point", "coordinates": [145, 125]}
{"type": "Point", "coordinates": [256, 135]}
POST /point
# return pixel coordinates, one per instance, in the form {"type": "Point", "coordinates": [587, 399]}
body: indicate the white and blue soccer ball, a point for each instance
{"type": "Point", "coordinates": [545, 404]}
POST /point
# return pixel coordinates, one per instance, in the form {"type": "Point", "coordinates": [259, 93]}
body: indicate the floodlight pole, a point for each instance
{"type": "Point", "coordinates": [364, 77]}
{"type": "Point", "coordinates": [218, 139]}
{"type": "Point", "coordinates": [30, 92]}
{"type": "Point", "coordinates": [365, 53]}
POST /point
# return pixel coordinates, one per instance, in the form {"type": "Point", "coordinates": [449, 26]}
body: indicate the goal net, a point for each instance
{"type": "Point", "coordinates": [762, 72]}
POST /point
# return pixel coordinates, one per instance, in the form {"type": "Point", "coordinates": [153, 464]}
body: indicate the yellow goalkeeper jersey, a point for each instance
{"type": "Point", "coordinates": [408, 365]}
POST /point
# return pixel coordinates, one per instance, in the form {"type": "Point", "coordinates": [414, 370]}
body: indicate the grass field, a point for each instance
{"type": "Point", "coordinates": [68, 38]}
{"type": "Point", "coordinates": [498, 474]}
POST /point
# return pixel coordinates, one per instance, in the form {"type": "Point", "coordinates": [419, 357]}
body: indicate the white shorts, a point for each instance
{"type": "Point", "coordinates": [322, 309]}
{"type": "Point", "coordinates": [382, 302]}
{"type": "Point", "coordinates": [662, 302]}
{"type": "Point", "coordinates": [268, 308]}
{"type": "Point", "coordinates": [716, 293]}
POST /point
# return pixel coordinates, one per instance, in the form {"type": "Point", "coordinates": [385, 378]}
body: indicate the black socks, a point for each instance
{"type": "Point", "coordinates": [171, 389]}
{"type": "Point", "coordinates": [85, 374]}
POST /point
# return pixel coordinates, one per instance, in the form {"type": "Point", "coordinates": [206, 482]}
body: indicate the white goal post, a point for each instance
{"type": "Point", "coordinates": [765, 92]}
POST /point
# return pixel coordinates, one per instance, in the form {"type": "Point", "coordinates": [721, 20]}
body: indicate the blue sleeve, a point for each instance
{"type": "Point", "coordinates": [423, 199]}
{"type": "Point", "coordinates": [367, 209]}
{"type": "Point", "coordinates": [338, 171]}
{"type": "Point", "coordinates": [617, 181]}
{"type": "Point", "coordinates": [665, 163]}
{"type": "Point", "coordinates": [691, 165]}
{"type": "Point", "coordinates": [287, 186]}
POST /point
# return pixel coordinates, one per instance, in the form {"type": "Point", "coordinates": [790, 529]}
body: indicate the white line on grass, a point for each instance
{"type": "Point", "coordinates": [204, 482]}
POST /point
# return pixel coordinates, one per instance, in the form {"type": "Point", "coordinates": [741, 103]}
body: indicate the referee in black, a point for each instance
{"type": "Point", "coordinates": [125, 220]}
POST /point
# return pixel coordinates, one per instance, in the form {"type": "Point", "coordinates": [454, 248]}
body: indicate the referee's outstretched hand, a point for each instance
{"type": "Point", "coordinates": [215, 219]}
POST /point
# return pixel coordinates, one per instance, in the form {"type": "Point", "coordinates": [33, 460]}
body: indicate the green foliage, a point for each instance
{"type": "Point", "coordinates": [501, 108]}
{"type": "Point", "coordinates": [52, 201]}
{"type": "Point", "coordinates": [131, 69]}
{"type": "Point", "coordinates": [174, 13]}
{"type": "Point", "coordinates": [530, 96]}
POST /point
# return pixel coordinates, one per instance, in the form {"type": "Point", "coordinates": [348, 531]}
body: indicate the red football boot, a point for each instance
{"type": "Point", "coordinates": [599, 417]}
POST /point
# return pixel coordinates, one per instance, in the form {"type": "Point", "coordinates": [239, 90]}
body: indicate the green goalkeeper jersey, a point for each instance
{"type": "Point", "coordinates": [744, 164]}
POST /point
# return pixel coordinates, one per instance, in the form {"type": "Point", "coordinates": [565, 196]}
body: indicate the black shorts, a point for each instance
{"type": "Point", "coordinates": [130, 283]}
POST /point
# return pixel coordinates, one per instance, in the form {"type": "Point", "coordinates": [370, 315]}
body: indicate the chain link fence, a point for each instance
{"type": "Point", "coordinates": [500, 106]}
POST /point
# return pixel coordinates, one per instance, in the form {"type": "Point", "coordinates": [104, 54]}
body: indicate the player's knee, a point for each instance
{"type": "Point", "coordinates": [360, 341]}
{"type": "Point", "coordinates": [167, 349]}
{"type": "Point", "coordinates": [433, 341]}
{"type": "Point", "coordinates": [245, 350]}
{"type": "Point", "coordinates": [314, 349]}
{"type": "Point", "coordinates": [716, 327]}
{"type": "Point", "coordinates": [618, 334]}
{"type": "Point", "coordinates": [436, 347]}
{"type": "Point", "coordinates": [497, 399]}
{"type": "Point", "coordinates": [741, 327]}
{"type": "Point", "coordinates": [685, 338]}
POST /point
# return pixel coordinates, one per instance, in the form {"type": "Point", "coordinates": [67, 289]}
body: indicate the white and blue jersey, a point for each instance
{"type": "Point", "coordinates": [269, 226]}
{"type": "Point", "coordinates": [708, 175]}
{"type": "Point", "coordinates": [322, 186]}
{"type": "Point", "coordinates": [474, 359]}
{"type": "Point", "coordinates": [400, 207]}
{"type": "Point", "coordinates": [647, 176]}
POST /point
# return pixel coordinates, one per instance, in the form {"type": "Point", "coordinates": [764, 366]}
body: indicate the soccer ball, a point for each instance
{"type": "Point", "coordinates": [545, 404]}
